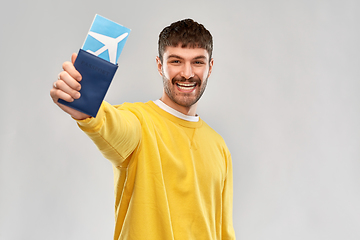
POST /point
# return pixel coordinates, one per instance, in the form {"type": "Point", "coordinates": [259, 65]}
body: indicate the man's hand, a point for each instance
{"type": "Point", "coordinates": [67, 87]}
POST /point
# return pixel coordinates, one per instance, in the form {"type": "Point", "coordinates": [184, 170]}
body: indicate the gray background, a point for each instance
{"type": "Point", "coordinates": [283, 94]}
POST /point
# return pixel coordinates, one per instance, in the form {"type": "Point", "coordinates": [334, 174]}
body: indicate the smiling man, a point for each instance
{"type": "Point", "coordinates": [172, 172]}
{"type": "Point", "coordinates": [185, 72]}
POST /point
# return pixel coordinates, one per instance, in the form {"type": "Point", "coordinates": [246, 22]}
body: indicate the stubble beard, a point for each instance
{"type": "Point", "coordinates": [183, 99]}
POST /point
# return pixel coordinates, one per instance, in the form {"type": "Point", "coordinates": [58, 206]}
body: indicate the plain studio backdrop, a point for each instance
{"type": "Point", "coordinates": [283, 94]}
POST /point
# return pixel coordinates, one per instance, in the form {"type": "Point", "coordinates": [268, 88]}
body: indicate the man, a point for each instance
{"type": "Point", "coordinates": [173, 173]}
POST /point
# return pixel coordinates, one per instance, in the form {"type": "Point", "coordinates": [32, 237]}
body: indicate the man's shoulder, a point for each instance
{"type": "Point", "coordinates": [140, 109]}
{"type": "Point", "coordinates": [211, 132]}
{"type": "Point", "coordinates": [136, 106]}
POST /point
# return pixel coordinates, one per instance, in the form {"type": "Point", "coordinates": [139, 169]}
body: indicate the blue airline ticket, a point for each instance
{"type": "Point", "coordinates": [106, 39]}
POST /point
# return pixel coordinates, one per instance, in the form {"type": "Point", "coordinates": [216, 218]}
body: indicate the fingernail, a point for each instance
{"type": "Point", "coordinates": [77, 95]}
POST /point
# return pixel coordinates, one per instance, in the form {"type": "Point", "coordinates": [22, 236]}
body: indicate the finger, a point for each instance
{"type": "Point", "coordinates": [69, 68]}
{"type": "Point", "coordinates": [57, 94]}
{"type": "Point", "coordinates": [69, 80]}
{"type": "Point", "coordinates": [53, 94]}
{"type": "Point", "coordinates": [73, 58]}
{"type": "Point", "coordinates": [64, 87]}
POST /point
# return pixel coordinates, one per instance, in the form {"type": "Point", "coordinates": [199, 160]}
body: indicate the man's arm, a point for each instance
{"type": "Point", "coordinates": [227, 195]}
{"type": "Point", "coordinates": [116, 133]}
{"type": "Point", "coordinates": [67, 87]}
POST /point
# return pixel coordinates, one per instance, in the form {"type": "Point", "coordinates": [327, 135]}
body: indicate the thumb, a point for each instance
{"type": "Point", "coordinates": [73, 57]}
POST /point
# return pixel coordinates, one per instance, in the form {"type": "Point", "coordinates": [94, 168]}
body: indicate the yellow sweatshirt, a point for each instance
{"type": "Point", "coordinates": [173, 178]}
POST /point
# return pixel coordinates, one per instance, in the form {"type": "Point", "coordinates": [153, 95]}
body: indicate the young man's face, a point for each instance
{"type": "Point", "coordinates": [185, 72]}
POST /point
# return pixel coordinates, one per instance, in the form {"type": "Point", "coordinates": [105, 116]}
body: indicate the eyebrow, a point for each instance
{"type": "Point", "coordinates": [177, 56]}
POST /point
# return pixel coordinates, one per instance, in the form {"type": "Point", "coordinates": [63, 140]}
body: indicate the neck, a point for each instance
{"type": "Point", "coordinates": [190, 111]}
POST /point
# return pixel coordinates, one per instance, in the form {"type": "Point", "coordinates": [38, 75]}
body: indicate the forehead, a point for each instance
{"type": "Point", "coordinates": [185, 52]}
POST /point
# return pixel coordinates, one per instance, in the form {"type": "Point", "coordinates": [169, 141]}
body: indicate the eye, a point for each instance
{"type": "Point", "coordinates": [198, 62]}
{"type": "Point", "coordinates": [175, 61]}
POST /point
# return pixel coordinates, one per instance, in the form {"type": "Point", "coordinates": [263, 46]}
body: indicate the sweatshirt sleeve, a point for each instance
{"type": "Point", "coordinates": [115, 132]}
{"type": "Point", "coordinates": [228, 232]}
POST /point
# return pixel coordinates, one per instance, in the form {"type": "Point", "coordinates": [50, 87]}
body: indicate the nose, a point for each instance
{"type": "Point", "coordinates": [187, 71]}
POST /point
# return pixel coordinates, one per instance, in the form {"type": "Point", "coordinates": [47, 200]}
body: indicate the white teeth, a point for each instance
{"type": "Point", "coordinates": [186, 85]}
{"type": "Point", "coordinates": [185, 88]}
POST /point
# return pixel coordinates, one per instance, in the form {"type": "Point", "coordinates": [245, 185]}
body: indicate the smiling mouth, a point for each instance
{"type": "Point", "coordinates": [186, 86]}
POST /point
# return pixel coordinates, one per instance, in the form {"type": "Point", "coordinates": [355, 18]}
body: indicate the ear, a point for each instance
{"type": "Point", "coordinates": [211, 64]}
{"type": "Point", "coordinates": [159, 65]}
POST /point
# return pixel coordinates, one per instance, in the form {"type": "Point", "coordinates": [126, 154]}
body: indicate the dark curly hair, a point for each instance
{"type": "Point", "coordinates": [186, 32]}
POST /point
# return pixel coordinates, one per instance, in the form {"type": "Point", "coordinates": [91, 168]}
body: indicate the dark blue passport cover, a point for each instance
{"type": "Point", "coordinates": [97, 75]}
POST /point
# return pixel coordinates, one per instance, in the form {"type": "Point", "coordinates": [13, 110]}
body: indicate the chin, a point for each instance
{"type": "Point", "coordinates": [186, 102]}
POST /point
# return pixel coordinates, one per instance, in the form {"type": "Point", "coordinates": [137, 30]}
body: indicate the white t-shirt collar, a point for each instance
{"type": "Point", "coordinates": [174, 112]}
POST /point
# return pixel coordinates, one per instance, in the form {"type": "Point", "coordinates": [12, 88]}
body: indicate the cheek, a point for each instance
{"type": "Point", "coordinates": [203, 73]}
{"type": "Point", "coordinates": [168, 73]}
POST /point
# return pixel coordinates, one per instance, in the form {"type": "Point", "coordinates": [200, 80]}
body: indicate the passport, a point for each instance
{"type": "Point", "coordinates": [97, 63]}
{"type": "Point", "coordinates": [97, 75]}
